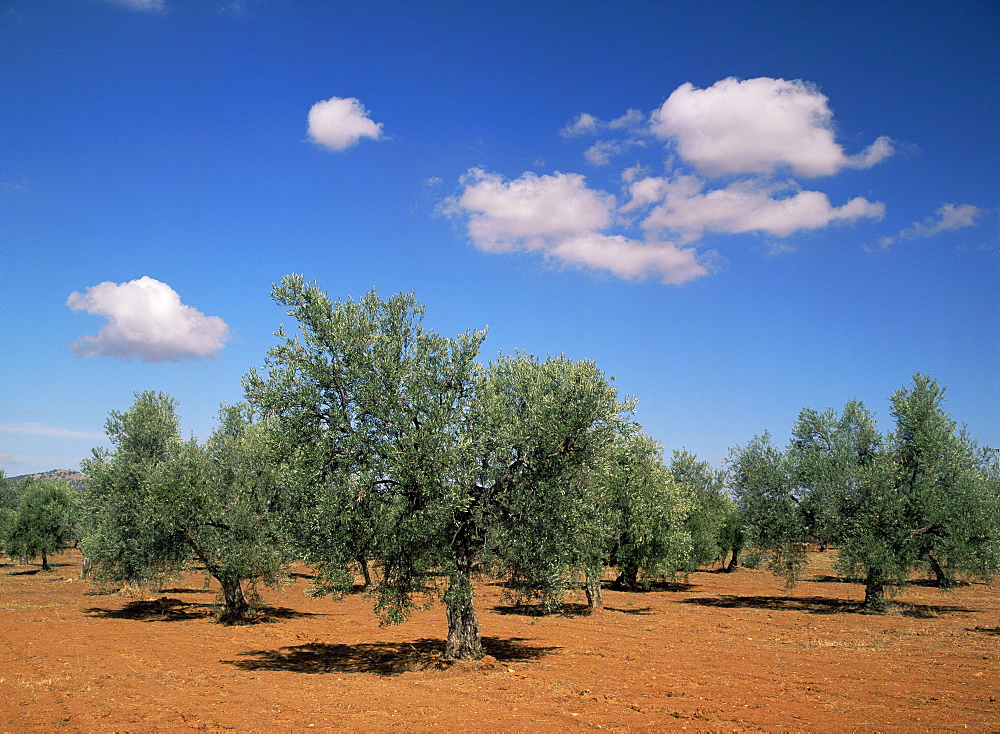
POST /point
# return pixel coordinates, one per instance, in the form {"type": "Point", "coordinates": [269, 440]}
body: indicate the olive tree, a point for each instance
{"type": "Point", "coordinates": [43, 521]}
{"type": "Point", "coordinates": [156, 502]}
{"type": "Point", "coordinates": [412, 456]}
{"type": "Point", "coordinates": [647, 512]}
{"type": "Point", "coordinates": [713, 521]}
{"type": "Point", "coordinates": [923, 498]}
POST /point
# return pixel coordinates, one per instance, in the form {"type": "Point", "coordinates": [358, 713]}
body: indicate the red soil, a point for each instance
{"type": "Point", "coordinates": [721, 652]}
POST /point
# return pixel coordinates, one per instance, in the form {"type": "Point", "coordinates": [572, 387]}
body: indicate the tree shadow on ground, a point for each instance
{"type": "Point", "coordinates": [647, 587]}
{"type": "Point", "coordinates": [273, 614]}
{"type": "Point", "coordinates": [640, 611]}
{"type": "Point", "coordinates": [163, 609]}
{"type": "Point", "coordinates": [811, 604]}
{"type": "Point", "coordinates": [991, 631]}
{"type": "Point", "coordinates": [184, 591]}
{"type": "Point", "coordinates": [926, 611]}
{"type": "Point", "coordinates": [827, 579]}
{"type": "Point", "coordinates": [537, 610]}
{"type": "Point", "coordinates": [673, 586]}
{"type": "Point", "coordinates": [166, 609]}
{"type": "Point", "coordinates": [29, 572]}
{"type": "Point", "coordinates": [822, 605]}
{"type": "Point", "coordinates": [380, 658]}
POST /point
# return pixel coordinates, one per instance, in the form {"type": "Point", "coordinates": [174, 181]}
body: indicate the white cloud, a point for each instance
{"type": "Point", "coordinates": [506, 215]}
{"type": "Point", "coordinates": [744, 206]}
{"type": "Point", "coordinates": [601, 152]}
{"type": "Point", "coordinates": [751, 132]}
{"type": "Point", "coordinates": [583, 124]}
{"type": "Point", "coordinates": [948, 216]}
{"type": "Point", "coordinates": [628, 258]}
{"type": "Point", "coordinates": [559, 216]}
{"type": "Point", "coordinates": [587, 124]}
{"type": "Point", "coordinates": [757, 126]}
{"type": "Point", "coordinates": [147, 320]}
{"type": "Point", "coordinates": [340, 122]}
{"type": "Point", "coordinates": [155, 5]}
{"type": "Point", "coordinates": [37, 429]}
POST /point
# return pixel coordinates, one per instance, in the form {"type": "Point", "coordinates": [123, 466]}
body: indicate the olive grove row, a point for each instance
{"type": "Point", "coordinates": [371, 446]}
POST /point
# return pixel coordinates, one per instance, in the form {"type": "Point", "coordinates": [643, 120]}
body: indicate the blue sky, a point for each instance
{"type": "Point", "coordinates": [737, 209]}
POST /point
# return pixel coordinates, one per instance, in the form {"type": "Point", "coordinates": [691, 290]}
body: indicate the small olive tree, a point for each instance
{"type": "Point", "coordinates": [156, 502]}
{"type": "Point", "coordinates": [713, 521]}
{"type": "Point", "coordinates": [43, 521]}
{"type": "Point", "coordinates": [923, 498]}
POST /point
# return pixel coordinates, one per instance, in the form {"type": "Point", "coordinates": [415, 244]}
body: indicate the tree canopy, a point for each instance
{"type": "Point", "coordinates": [155, 502]}
{"type": "Point", "coordinates": [412, 454]}
{"type": "Point", "coordinates": [43, 520]}
{"type": "Point", "coordinates": [923, 497]}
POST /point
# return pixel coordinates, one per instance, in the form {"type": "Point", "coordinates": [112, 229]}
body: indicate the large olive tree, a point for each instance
{"type": "Point", "coordinates": [410, 455]}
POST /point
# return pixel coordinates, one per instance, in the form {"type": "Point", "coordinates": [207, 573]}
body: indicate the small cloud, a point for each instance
{"type": "Point", "coordinates": [948, 216]}
{"type": "Point", "coordinates": [37, 429]}
{"type": "Point", "coordinates": [631, 120]}
{"type": "Point", "coordinates": [340, 122]}
{"type": "Point", "coordinates": [147, 320]}
{"type": "Point", "coordinates": [601, 152]}
{"type": "Point", "coordinates": [775, 249]}
{"type": "Point", "coordinates": [743, 206]}
{"type": "Point", "coordinates": [583, 124]}
{"type": "Point", "coordinates": [587, 124]}
{"type": "Point", "coordinates": [757, 126]}
{"type": "Point", "coordinates": [147, 5]}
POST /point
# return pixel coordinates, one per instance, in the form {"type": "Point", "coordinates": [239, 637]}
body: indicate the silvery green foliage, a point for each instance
{"type": "Point", "coordinates": [923, 498]}
{"type": "Point", "coordinates": [156, 502]}
{"type": "Point", "coordinates": [42, 522]}
{"type": "Point", "coordinates": [409, 454]}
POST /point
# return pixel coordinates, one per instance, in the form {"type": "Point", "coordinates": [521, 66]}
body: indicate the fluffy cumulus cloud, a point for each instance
{"type": "Point", "coordinates": [733, 152]}
{"type": "Point", "coordinates": [685, 209]}
{"type": "Point", "coordinates": [146, 320]}
{"type": "Point", "coordinates": [948, 216]}
{"type": "Point", "coordinates": [561, 217]}
{"type": "Point", "coordinates": [340, 122]}
{"type": "Point", "coordinates": [757, 126]}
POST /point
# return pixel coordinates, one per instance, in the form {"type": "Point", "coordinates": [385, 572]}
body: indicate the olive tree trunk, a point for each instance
{"type": "Point", "coordinates": [595, 595]}
{"type": "Point", "coordinates": [464, 639]}
{"type": "Point", "coordinates": [236, 609]}
{"type": "Point", "coordinates": [874, 593]}
{"type": "Point", "coordinates": [366, 572]}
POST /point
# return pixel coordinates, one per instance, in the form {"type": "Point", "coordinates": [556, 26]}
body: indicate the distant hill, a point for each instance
{"type": "Point", "coordinates": [75, 478]}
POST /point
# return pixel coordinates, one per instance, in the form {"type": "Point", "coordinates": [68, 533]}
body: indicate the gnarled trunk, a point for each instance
{"type": "Point", "coordinates": [595, 595]}
{"type": "Point", "coordinates": [874, 593]}
{"type": "Point", "coordinates": [236, 607]}
{"type": "Point", "coordinates": [45, 562]}
{"type": "Point", "coordinates": [628, 578]}
{"type": "Point", "coordinates": [464, 639]}
{"type": "Point", "coordinates": [734, 562]}
{"type": "Point", "coordinates": [943, 580]}
{"type": "Point", "coordinates": [365, 571]}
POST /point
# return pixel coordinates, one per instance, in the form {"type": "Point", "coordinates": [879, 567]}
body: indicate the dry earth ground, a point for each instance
{"type": "Point", "coordinates": [721, 652]}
